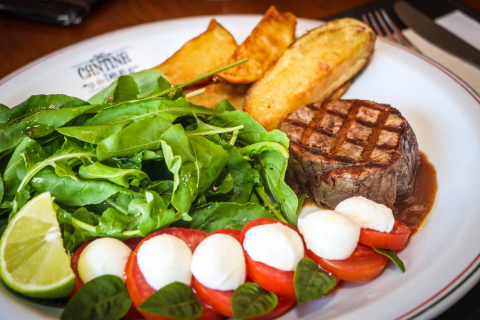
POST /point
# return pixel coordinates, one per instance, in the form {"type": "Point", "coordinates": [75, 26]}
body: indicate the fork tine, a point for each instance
{"type": "Point", "coordinates": [397, 31]}
{"type": "Point", "coordinates": [384, 26]}
{"type": "Point", "coordinates": [365, 20]}
{"type": "Point", "coordinates": [375, 25]}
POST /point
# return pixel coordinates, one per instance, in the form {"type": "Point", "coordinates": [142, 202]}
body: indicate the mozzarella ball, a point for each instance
{"type": "Point", "coordinates": [218, 263]}
{"type": "Point", "coordinates": [367, 213]}
{"type": "Point", "coordinates": [274, 244]}
{"type": "Point", "coordinates": [101, 257]}
{"type": "Point", "coordinates": [165, 259]}
{"type": "Point", "coordinates": [329, 234]}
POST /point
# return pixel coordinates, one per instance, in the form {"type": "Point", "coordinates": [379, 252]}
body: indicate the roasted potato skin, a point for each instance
{"type": "Point", "coordinates": [263, 47]}
{"type": "Point", "coordinates": [216, 93]}
{"type": "Point", "coordinates": [204, 53]}
{"type": "Point", "coordinates": [310, 70]}
{"type": "Point", "coordinates": [340, 91]}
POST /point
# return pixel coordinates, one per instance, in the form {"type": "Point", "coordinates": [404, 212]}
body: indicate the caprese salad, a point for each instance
{"type": "Point", "coordinates": [259, 272]}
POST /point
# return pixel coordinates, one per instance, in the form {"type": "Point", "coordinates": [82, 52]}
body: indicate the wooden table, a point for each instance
{"type": "Point", "coordinates": [23, 41]}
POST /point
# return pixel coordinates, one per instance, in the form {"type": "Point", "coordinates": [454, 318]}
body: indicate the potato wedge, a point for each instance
{"type": "Point", "coordinates": [264, 46]}
{"type": "Point", "coordinates": [337, 94]}
{"type": "Point", "coordinates": [209, 51]}
{"type": "Point", "coordinates": [311, 69]}
{"type": "Point", "coordinates": [215, 93]}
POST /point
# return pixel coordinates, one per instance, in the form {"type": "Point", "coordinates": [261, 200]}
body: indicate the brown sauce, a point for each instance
{"type": "Point", "coordinates": [413, 210]}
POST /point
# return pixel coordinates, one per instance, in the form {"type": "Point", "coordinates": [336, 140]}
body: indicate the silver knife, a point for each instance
{"type": "Point", "coordinates": [437, 35]}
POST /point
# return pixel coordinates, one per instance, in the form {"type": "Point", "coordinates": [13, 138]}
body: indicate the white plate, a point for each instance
{"type": "Point", "coordinates": [441, 260]}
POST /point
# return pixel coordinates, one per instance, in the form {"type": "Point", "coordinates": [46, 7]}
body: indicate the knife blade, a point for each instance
{"type": "Point", "coordinates": [434, 33]}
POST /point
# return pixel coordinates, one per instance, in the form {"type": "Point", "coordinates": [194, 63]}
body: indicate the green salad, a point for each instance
{"type": "Point", "coordinates": [137, 157]}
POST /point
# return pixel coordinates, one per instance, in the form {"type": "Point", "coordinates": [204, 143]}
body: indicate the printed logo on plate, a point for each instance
{"type": "Point", "coordinates": [104, 68]}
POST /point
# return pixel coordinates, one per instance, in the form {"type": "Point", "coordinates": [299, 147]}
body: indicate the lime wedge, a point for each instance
{"type": "Point", "coordinates": [32, 258]}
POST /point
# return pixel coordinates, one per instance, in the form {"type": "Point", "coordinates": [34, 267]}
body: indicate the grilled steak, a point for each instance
{"type": "Point", "coordinates": [345, 148]}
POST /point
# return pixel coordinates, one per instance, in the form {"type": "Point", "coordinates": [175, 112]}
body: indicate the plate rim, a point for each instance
{"type": "Point", "coordinates": [432, 306]}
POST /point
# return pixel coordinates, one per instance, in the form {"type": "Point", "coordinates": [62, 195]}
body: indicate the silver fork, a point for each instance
{"type": "Point", "coordinates": [386, 29]}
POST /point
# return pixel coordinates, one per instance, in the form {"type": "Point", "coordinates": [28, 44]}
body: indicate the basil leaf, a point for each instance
{"type": "Point", "coordinates": [392, 256]}
{"type": "Point", "coordinates": [103, 298]}
{"type": "Point", "coordinates": [311, 282]}
{"type": "Point", "coordinates": [249, 300]}
{"type": "Point", "coordinates": [175, 300]}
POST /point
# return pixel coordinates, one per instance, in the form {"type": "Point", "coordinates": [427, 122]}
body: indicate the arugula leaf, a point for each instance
{"type": "Point", "coordinates": [140, 85]}
{"type": "Point", "coordinates": [260, 147]}
{"type": "Point", "coordinates": [240, 170]}
{"type": "Point", "coordinates": [272, 167]}
{"type": "Point", "coordinates": [104, 96]}
{"type": "Point", "coordinates": [93, 134]}
{"type": "Point", "coordinates": [121, 177]}
{"type": "Point", "coordinates": [392, 256]}
{"type": "Point", "coordinates": [164, 189]}
{"type": "Point", "coordinates": [134, 111]}
{"type": "Point", "coordinates": [117, 116]}
{"type": "Point", "coordinates": [86, 216]}
{"type": "Point", "coordinates": [74, 191]}
{"type": "Point", "coordinates": [37, 117]}
{"type": "Point", "coordinates": [225, 215]}
{"type": "Point", "coordinates": [249, 300]}
{"type": "Point", "coordinates": [311, 282]}
{"type": "Point", "coordinates": [252, 131]}
{"type": "Point", "coordinates": [112, 222]}
{"type": "Point", "coordinates": [3, 108]}
{"type": "Point", "coordinates": [154, 211]}
{"type": "Point", "coordinates": [38, 104]}
{"type": "Point", "coordinates": [134, 162]}
{"type": "Point", "coordinates": [175, 300]}
{"type": "Point", "coordinates": [222, 185]}
{"type": "Point", "coordinates": [195, 162]}
{"type": "Point", "coordinates": [224, 106]}
{"type": "Point", "coordinates": [103, 298]}
{"type": "Point", "coordinates": [270, 149]}
{"type": "Point", "coordinates": [68, 151]}
{"type": "Point", "coordinates": [138, 137]}
{"type": "Point", "coordinates": [132, 86]}
{"type": "Point", "coordinates": [204, 129]}
{"type": "Point", "coordinates": [15, 170]}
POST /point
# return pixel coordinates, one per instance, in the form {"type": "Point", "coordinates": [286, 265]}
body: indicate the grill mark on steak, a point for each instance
{"type": "Point", "coordinates": [377, 130]}
{"type": "Point", "coordinates": [344, 148]}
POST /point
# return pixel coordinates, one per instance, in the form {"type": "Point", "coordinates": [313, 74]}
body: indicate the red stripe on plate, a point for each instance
{"type": "Point", "coordinates": [476, 98]}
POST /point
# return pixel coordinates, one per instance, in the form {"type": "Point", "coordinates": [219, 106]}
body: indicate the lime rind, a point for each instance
{"type": "Point", "coordinates": [33, 261]}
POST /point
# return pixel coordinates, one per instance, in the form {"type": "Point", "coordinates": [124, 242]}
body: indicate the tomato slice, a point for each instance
{"type": "Point", "coordinates": [132, 313]}
{"type": "Point", "coordinates": [74, 264]}
{"type": "Point", "coordinates": [394, 240]}
{"type": "Point", "coordinates": [269, 278]}
{"type": "Point", "coordinates": [138, 288]}
{"type": "Point", "coordinates": [221, 300]}
{"type": "Point", "coordinates": [364, 264]}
